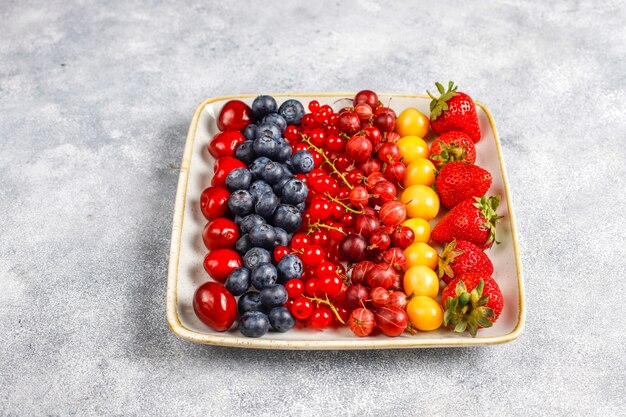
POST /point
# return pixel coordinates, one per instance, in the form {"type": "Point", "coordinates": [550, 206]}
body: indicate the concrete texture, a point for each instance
{"type": "Point", "coordinates": [95, 101]}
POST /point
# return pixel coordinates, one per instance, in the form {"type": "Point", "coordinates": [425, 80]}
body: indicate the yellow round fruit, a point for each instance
{"type": "Point", "coordinates": [420, 280]}
{"type": "Point", "coordinates": [412, 122]}
{"type": "Point", "coordinates": [425, 313]}
{"type": "Point", "coordinates": [420, 172]}
{"type": "Point", "coordinates": [412, 148]}
{"type": "Point", "coordinates": [421, 229]}
{"type": "Point", "coordinates": [420, 201]}
{"type": "Point", "coordinates": [421, 254]}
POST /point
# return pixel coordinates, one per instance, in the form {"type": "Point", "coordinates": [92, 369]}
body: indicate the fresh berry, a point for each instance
{"type": "Point", "coordinates": [473, 220]}
{"type": "Point", "coordinates": [452, 146]}
{"type": "Point", "coordinates": [458, 181]}
{"type": "Point", "coordinates": [461, 257]}
{"type": "Point", "coordinates": [471, 301]}
{"type": "Point", "coordinates": [453, 110]}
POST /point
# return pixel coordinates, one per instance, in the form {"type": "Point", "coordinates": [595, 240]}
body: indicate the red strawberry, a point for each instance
{"type": "Point", "coordinates": [471, 301]}
{"type": "Point", "coordinates": [453, 110]}
{"type": "Point", "coordinates": [452, 146]}
{"type": "Point", "coordinates": [461, 257]}
{"type": "Point", "coordinates": [458, 181]}
{"type": "Point", "coordinates": [473, 220]}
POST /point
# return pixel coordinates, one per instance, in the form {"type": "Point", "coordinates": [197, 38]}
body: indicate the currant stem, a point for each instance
{"type": "Point", "coordinates": [306, 140]}
{"type": "Point", "coordinates": [348, 208]}
{"type": "Point", "coordinates": [319, 225]}
{"type": "Point", "coordinates": [329, 304]}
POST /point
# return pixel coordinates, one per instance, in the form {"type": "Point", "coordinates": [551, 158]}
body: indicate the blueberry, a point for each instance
{"type": "Point", "coordinates": [267, 130]}
{"type": "Point", "coordinates": [301, 206]}
{"type": "Point", "coordinates": [254, 324]}
{"type": "Point", "coordinates": [239, 179]}
{"type": "Point", "coordinates": [258, 188]}
{"type": "Point", "coordinates": [273, 172]}
{"type": "Point", "coordinates": [281, 319]}
{"type": "Point", "coordinates": [237, 219]}
{"type": "Point", "coordinates": [238, 281]}
{"type": "Point", "coordinates": [248, 222]}
{"type": "Point", "coordinates": [245, 151]}
{"type": "Point", "coordinates": [255, 257]}
{"type": "Point", "coordinates": [278, 187]}
{"type": "Point", "coordinates": [287, 168]}
{"type": "Point", "coordinates": [266, 146]}
{"type": "Point", "coordinates": [241, 202]}
{"type": "Point", "coordinates": [243, 244]}
{"type": "Point", "coordinates": [302, 162]}
{"type": "Point", "coordinates": [250, 132]}
{"type": "Point", "coordinates": [266, 204]}
{"type": "Point", "coordinates": [287, 217]}
{"type": "Point", "coordinates": [250, 301]}
{"type": "Point", "coordinates": [282, 237]}
{"type": "Point", "coordinates": [276, 119]}
{"type": "Point", "coordinates": [289, 267]}
{"type": "Point", "coordinates": [273, 296]}
{"type": "Point", "coordinates": [263, 235]}
{"type": "Point", "coordinates": [257, 166]}
{"type": "Point", "coordinates": [294, 191]}
{"type": "Point", "coordinates": [263, 276]}
{"type": "Point", "coordinates": [292, 111]}
{"type": "Point", "coordinates": [263, 105]}
{"type": "Point", "coordinates": [284, 152]}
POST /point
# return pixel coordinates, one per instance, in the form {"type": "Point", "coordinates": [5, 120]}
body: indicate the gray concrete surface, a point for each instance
{"type": "Point", "coordinates": [95, 101]}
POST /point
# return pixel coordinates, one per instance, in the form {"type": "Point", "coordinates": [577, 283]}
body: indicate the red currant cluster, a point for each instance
{"type": "Point", "coordinates": [352, 215]}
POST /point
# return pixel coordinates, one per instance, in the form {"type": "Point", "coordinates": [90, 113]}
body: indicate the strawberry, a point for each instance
{"type": "Point", "coordinates": [453, 110]}
{"type": "Point", "coordinates": [471, 301]}
{"type": "Point", "coordinates": [452, 146]}
{"type": "Point", "coordinates": [461, 257]}
{"type": "Point", "coordinates": [458, 181]}
{"type": "Point", "coordinates": [473, 220]}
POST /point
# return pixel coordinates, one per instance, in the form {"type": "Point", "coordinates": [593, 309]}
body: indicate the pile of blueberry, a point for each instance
{"type": "Point", "coordinates": [267, 202]}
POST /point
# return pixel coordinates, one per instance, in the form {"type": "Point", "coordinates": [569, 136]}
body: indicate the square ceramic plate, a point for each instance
{"type": "Point", "coordinates": [186, 272]}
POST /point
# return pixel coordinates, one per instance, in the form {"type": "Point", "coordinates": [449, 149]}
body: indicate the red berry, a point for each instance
{"type": "Point", "coordinates": [359, 197]}
{"type": "Point", "coordinates": [361, 322]}
{"type": "Point", "coordinates": [359, 148]}
{"type": "Point", "coordinates": [331, 285]}
{"type": "Point", "coordinates": [235, 115]}
{"type": "Point", "coordinates": [300, 242]}
{"type": "Point", "coordinates": [215, 306]}
{"type": "Point", "coordinates": [391, 320]}
{"type": "Point", "coordinates": [379, 296]}
{"type": "Point", "coordinates": [313, 255]}
{"type": "Point", "coordinates": [220, 233]}
{"type": "Point", "coordinates": [225, 143]}
{"type": "Point", "coordinates": [295, 288]}
{"type": "Point", "coordinates": [302, 308]}
{"type": "Point", "coordinates": [214, 202]}
{"type": "Point", "coordinates": [349, 122]}
{"type": "Point", "coordinates": [280, 252]}
{"type": "Point", "coordinates": [321, 317]}
{"type": "Point", "coordinates": [392, 213]}
{"type": "Point", "coordinates": [220, 263]}
{"type": "Point", "coordinates": [368, 97]}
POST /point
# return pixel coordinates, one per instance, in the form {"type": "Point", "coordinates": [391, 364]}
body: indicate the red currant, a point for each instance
{"type": "Point", "coordinates": [292, 134]}
{"type": "Point", "coordinates": [324, 269]}
{"type": "Point", "coordinates": [312, 287]}
{"type": "Point", "coordinates": [314, 106]}
{"type": "Point", "coordinates": [320, 238]}
{"type": "Point", "coordinates": [321, 317]}
{"type": "Point", "coordinates": [313, 255]}
{"type": "Point", "coordinates": [300, 242]}
{"type": "Point", "coordinates": [331, 285]}
{"type": "Point", "coordinates": [295, 288]}
{"type": "Point", "coordinates": [302, 308]}
{"type": "Point", "coordinates": [280, 252]}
